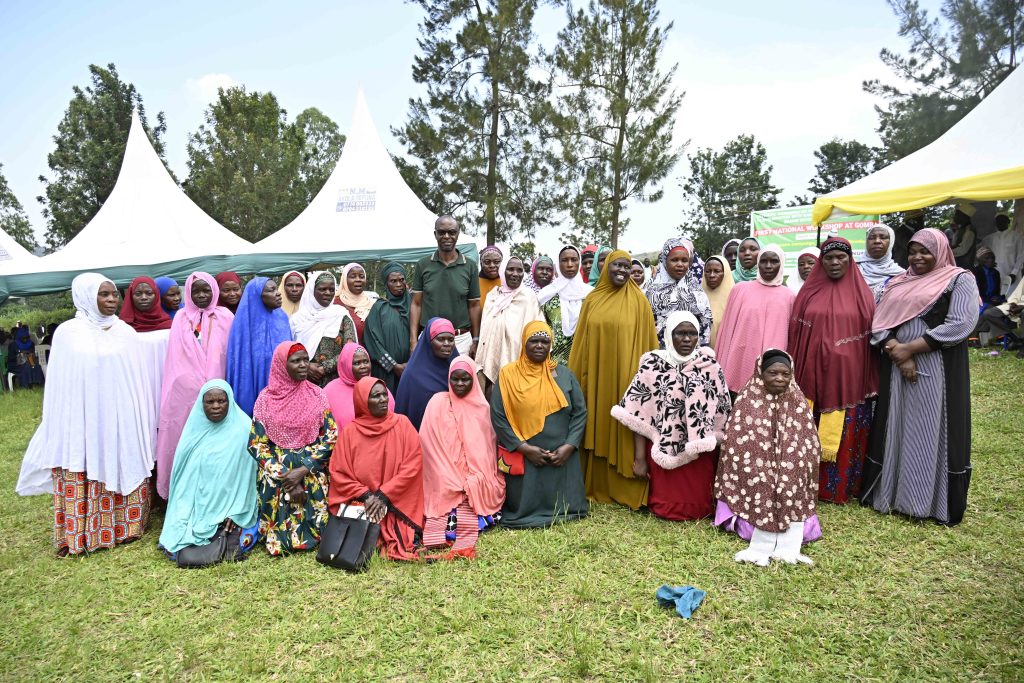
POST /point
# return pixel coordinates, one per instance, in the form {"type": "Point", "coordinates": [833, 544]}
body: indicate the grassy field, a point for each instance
{"type": "Point", "coordinates": [887, 599]}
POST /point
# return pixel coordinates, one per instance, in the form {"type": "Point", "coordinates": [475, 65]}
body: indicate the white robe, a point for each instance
{"type": "Point", "coordinates": [99, 414]}
{"type": "Point", "coordinates": [1008, 248]}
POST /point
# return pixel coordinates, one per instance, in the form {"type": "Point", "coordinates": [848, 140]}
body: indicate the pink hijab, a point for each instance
{"type": "Point", "coordinates": [907, 295]}
{"type": "Point", "coordinates": [339, 391]}
{"type": "Point", "coordinates": [756, 318]}
{"type": "Point", "coordinates": [190, 364]}
{"type": "Point", "coordinates": [291, 412]}
{"type": "Point", "coordinates": [460, 450]}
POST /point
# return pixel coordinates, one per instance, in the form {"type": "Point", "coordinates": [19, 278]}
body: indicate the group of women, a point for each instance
{"type": "Point", "coordinates": [712, 391]}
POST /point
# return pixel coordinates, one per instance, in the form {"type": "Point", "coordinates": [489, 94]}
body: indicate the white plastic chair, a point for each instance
{"type": "Point", "coordinates": [42, 353]}
{"type": "Point", "coordinates": [1006, 281]}
{"type": "Point", "coordinates": [10, 381]}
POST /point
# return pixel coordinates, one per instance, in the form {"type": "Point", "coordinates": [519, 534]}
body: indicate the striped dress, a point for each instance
{"type": "Point", "coordinates": [919, 458]}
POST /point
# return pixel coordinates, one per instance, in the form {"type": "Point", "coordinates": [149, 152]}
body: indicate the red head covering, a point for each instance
{"type": "Point", "coordinates": [440, 326]}
{"type": "Point", "coordinates": [909, 295]}
{"type": "Point", "coordinates": [222, 278]}
{"type": "Point", "coordinates": [340, 391]}
{"type": "Point", "coordinates": [380, 455]}
{"type": "Point", "coordinates": [830, 336]}
{"type": "Point", "coordinates": [155, 318]}
{"type": "Point", "coordinates": [292, 412]}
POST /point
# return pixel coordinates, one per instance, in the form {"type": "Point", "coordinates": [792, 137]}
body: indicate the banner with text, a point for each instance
{"type": "Point", "coordinates": [791, 229]}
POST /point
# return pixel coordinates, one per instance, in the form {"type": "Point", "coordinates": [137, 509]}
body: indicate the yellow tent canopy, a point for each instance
{"type": "Point", "coordinates": [981, 158]}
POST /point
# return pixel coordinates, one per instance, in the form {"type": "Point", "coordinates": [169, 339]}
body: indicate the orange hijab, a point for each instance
{"type": "Point", "coordinates": [528, 390]}
{"type": "Point", "coordinates": [460, 450]}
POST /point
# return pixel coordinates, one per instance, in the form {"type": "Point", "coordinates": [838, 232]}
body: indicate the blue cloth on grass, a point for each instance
{"type": "Point", "coordinates": [686, 599]}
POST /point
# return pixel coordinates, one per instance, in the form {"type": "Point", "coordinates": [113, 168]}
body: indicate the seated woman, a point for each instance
{"type": "Point", "coordinates": [292, 284]}
{"type": "Point", "coordinates": [508, 309]}
{"type": "Point", "coordinates": [756, 318]}
{"type": "Point", "coordinates": [291, 440]}
{"type": "Point", "coordinates": [322, 326]}
{"type": "Point", "coordinates": [353, 365]}
{"type": "Point", "coordinates": [377, 463]}
{"type": "Point", "coordinates": [767, 479]}
{"type": "Point", "coordinates": [539, 415]}
{"type": "Point", "coordinates": [461, 482]}
{"type": "Point", "coordinates": [427, 371]}
{"type": "Point", "coordinates": [259, 326]}
{"type": "Point", "coordinates": [990, 283]}
{"type": "Point", "coordinates": [386, 334]}
{"type": "Point", "coordinates": [562, 300]}
{"type": "Point", "coordinates": [142, 311]}
{"type": "Point", "coordinates": [22, 360]}
{"type": "Point", "coordinates": [835, 366]}
{"type": "Point", "coordinates": [196, 353]}
{"type": "Point", "coordinates": [353, 296]}
{"type": "Point", "coordinates": [230, 290]}
{"type": "Point", "coordinates": [93, 450]}
{"type": "Point", "coordinates": [919, 454]}
{"type": "Point", "coordinates": [676, 407]}
{"type": "Point", "coordinates": [213, 483]}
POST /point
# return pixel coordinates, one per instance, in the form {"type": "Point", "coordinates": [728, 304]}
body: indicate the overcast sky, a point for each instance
{"type": "Point", "coordinates": [789, 72]}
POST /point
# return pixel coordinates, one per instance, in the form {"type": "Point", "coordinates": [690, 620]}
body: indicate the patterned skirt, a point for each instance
{"type": "Point", "coordinates": [841, 480]}
{"type": "Point", "coordinates": [87, 517]}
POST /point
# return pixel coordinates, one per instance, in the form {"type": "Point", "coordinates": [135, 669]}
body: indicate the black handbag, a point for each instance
{"type": "Point", "coordinates": [224, 546]}
{"type": "Point", "coordinates": [347, 543]}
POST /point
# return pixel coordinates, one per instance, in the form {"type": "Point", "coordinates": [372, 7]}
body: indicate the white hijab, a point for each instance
{"type": "Point", "coordinates": [673, 320]}
{"type": "Point", "coordinates": [98, 411]}
{"type": "Point", "coordinates": [796, 282]}
{"type": "Point", "coordinates": [877, 270]}
{"type": "Point", "coordinates": [570, 292]}
{"type": "Point", "coordinates": [312, 322]}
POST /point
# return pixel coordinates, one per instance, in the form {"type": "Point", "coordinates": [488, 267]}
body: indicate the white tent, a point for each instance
{"type": "Point", "coordinates": [365, 206]}
{"type": "Point", "coordinates": [981, 158]}
{"type": "Point", "coordinates": [13, 255]}
{"type": "Point", "coordinates": [146, 226]}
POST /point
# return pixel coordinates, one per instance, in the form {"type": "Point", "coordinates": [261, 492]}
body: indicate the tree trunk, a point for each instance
{"type": "Point", "coordinates": [620, 92]}
{"type": "Point", "coordinates": [492, 166]}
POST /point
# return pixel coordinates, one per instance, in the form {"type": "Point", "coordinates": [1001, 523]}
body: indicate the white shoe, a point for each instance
{"type": "Point", "coordinates": [788, 547]}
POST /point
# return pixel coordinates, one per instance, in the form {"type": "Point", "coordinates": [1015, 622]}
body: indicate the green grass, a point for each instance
{"type": "Point", "coordinates": [887, 598]}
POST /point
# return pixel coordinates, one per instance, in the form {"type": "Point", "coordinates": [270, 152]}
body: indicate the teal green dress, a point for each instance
{"type": "Point", "coordinates": [545, 495]}
{"type": "Point", "coordinates": [287, 528]}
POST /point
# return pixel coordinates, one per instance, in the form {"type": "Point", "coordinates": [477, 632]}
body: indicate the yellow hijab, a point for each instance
{"type": "Point", "coordinates": [528, 390]}
{"type": "Point", "coordinates": [286, 304]}
{"type": "Point", "coordinates": [616, 327]}
{"type": "Point", "coordinates": [717, 297]}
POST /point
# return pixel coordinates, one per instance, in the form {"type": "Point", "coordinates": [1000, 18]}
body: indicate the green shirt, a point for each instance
{"type": "Point", "coordinates": [447, 289]}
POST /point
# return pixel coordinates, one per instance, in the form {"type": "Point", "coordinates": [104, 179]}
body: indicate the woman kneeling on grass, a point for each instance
{"type": "Point", "coordinates": [676, 407]}
{"type": "Point", "coordinates": [767, 481]}
{"type": "Point", "coordinates": [291, 439]}
{"type": "Point", "coordinates": [213, 482]}
{"type": "Point", "coordinates": [462, 487]}
{"type": "Point", "coordinates": [540, 415]}
{"type": "Point", "coordinates": [378, 465]}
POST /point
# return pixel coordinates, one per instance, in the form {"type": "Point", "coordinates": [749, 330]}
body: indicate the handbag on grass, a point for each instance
{"type": "Point", "coordinates": [347, 542]}
{"type": "Point", "coordinates": [511, 462]}
{"type": "Point", "coordinates": [223, 547]}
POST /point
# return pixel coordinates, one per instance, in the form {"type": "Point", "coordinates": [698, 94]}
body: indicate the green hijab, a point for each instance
{"type": "Point", "coordinates": [741, 274]}
{"type": "Point", "coordinates": [595, 272]}
{"type": "Point", "coordinates": [387, 328]}
{"type": "Point", "coordinates": [213, 477]}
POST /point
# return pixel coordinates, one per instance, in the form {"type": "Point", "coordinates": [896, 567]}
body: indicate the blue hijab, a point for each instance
{"type": "Point", "coordinates": [213, 477]}
{"type": "Point", "coordinates": [255, 333]}
{"type": "Point", "coordinates": [424, 376]}
{"type": "Point", "coordinates": [163, 284]}
{"type": "Point", "coordinates": [23, 339]}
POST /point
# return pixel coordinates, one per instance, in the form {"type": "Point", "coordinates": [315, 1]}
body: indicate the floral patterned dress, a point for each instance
{"type": "Point", "coordinates": [560, 344]}
{"type": "Point", "coordinates": [329, 349]}
{"type": "Point", "coordinates": [288, 528]}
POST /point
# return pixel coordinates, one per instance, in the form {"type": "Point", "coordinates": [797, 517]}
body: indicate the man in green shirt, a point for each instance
{"type": "Point", "coordinates": [447, 285]}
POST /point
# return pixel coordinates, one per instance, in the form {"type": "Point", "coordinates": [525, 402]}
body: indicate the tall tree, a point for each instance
{"type": "Point", "coordinates": [322, 145]}
{"type": "Point", "coordinates": [615, 109]}
{"type": "Point", "coordinates": [90, 143]}
{"type": "Point", "coordinates": [13, 219]}
{"type": "Point", "coordinates": [723, 188]}
{"type": "Point", "coordinates": [839, 163]}
{"type": "Point", "coordinates": [475, 136]}
{"type": "Point", "coordinates": [953, 62]}
{"type": "Point", "coordinates": [244, 164]}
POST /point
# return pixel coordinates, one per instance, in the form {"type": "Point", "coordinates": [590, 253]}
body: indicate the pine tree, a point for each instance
{"type": "Point", "coordinates": [13, 219]}
{"type": "Point", "coordinates": [840, 162]}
